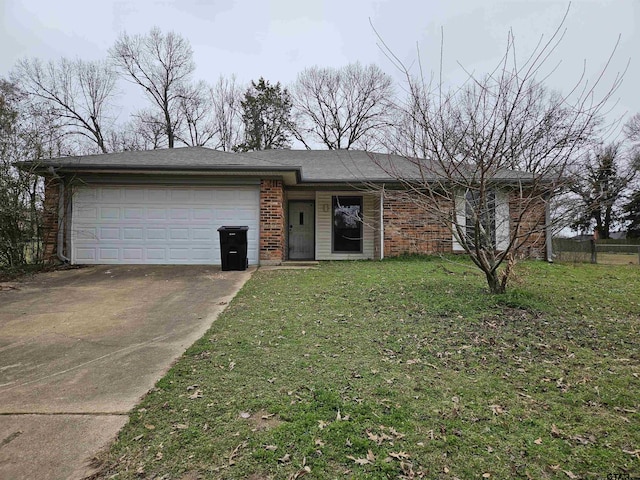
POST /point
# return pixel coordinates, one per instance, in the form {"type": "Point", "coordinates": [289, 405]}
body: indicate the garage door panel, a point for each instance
{"type": "Point", "coordinates": [179, 214]}
{"type": "Point", "coordinates": [203, 234]}
{"type": "Point", "coordinates": [109, 213]}
{"type": "Point", "coordinates": [203, 213]}
{"type": "Point", "coordinates": [109, 233]}
{"type": "Point", "coordinates": [160, 225]}
{"type": "Point", "coordinates": [179, 234]}
{"type": "Point", "coordinates": [134, 196]}
{"type": "Point", "coordinates": [85, 254]}
{"type": "Point", "coordinates": [133, 213]}
{"type": "Point", "coordinates": [107, 254]}
{"type": "Point", "coordinates": [156, 213]}
{"type": "Point", "coordinates": [88, 213]}
{"type": "Point", "coordinates": [156, 234]}
{"type": "Point", "coordinates": [204, 196]}
{"type": "Point", "coordinates": [156, 254]}
{"type": "Point", "coordinates": [111, 195]}
{"type": "Point", "coordinates": [157, 195]}
{"type": "Point", "coordinates": [135, 233]}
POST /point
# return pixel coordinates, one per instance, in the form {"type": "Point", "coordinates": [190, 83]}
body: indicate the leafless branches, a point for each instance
{"type": "Point", "coordinates": [343, 108]}
{"type": "Point", "coordinates": [77, 92]}
{"type": "Point", "coordinates": [162, 65]}
{"type": "Point", "coordinates": [226, 96]}
{"type": "Point", "coordinates": [484, 158]}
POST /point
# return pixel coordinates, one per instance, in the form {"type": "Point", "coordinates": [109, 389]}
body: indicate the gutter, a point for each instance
{"type": "Point", "coordinates": [382, 223]}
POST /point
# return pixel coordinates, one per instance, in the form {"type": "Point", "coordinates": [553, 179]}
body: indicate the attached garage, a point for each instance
{"type": "Point", "coordinates": [131, 224]}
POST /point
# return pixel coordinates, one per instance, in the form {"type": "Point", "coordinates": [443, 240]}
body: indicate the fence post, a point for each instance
{"type": "Point", "coordinates": [594, 255]}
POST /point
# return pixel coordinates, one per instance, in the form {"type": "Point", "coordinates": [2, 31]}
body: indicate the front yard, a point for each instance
{"type": "Point", "coordinates": [402, 369]}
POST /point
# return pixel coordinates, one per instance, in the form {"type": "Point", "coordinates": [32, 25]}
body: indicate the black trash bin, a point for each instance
{"type": "Point", "coordinates": [233, 247]}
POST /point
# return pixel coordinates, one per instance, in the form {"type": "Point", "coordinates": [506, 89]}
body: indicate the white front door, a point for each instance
{"type": "Point", "coordinates": [301, 230]}
{"type": "Point", "coordinates": [160, 224]}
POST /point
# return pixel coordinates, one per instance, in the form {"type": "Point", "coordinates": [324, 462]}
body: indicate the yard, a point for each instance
{"type": "Point", "coordinates": [402, 369]}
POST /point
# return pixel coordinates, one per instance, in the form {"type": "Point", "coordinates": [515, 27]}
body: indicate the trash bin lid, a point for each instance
{"type": "Point", "coordinates": [227, 228]}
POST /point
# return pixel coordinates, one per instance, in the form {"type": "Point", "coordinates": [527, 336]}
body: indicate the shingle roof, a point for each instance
{"type": "Point", "coordinates": [311, 166]}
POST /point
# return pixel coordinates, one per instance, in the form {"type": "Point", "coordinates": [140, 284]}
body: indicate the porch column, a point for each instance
{"type": "Point", "coordinates": [271, 222]}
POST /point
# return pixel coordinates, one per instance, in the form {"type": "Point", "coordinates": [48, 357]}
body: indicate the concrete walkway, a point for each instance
{"type": "Point", "coordinates": [79, 348]}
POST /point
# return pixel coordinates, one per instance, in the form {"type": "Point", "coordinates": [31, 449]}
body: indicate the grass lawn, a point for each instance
{"type": "Point", "coordinates": [402, 369]}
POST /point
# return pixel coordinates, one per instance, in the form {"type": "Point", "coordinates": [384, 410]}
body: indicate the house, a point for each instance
{"type": "Point", "coordinates": [165, 206]}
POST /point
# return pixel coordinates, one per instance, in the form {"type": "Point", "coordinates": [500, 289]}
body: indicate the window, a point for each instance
{"type": "Point", "coordinates": [480, 214]}
{"type": "Point", "coordinates": [347, 224]}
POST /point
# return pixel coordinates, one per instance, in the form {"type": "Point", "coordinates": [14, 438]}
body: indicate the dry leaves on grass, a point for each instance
{"type": "Point", "coordinates": [370, 458]}
{"type": "Point", "coordinates": [195, 395]}
{"type": "Point", "coordinates": [341, 418]}
{"type": "Point", "coordinates": [235, 451]}
{"type": "Point", "coordinates": [399, 455]}
{"type": "Point", "coordinates": [302, 472]}
{"type": "Point", "coordinates": [635, 453]}
{"type": "Point", "coordinates": [381, 437]}
{"type": "Point", "coordinates": [286, 458]}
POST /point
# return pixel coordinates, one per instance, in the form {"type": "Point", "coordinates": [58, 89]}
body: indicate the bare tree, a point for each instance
{"type": "Point", "coordinates": [25, 134]}
{"type": "Point", "coordinates": [342, 108]}
{"type": "Point", "coordinates": [632, 128]}
{"type": "Point", "coordinates": [461, 147]}
{"type": "Point", "coordinates": [226, 98]}
{"type": "Point", "coordinates": [196, 109]}
{"type": "Point", "coordinates": [79, 93]}
{"type": "Point", "coordinates": [161, 64]}
{"type": "Point", "coordinates": [632, 134]}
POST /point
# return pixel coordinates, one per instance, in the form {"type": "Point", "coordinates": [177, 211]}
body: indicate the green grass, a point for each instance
{"type": "Point", "coordinates": [402, 369]}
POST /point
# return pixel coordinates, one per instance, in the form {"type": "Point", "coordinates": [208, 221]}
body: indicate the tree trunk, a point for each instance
{"type": "Point", "coordinates": [494, 282]}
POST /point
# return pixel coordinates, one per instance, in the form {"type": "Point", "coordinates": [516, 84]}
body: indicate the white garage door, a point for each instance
{"type": "Point", "coordinates": [159, 225]}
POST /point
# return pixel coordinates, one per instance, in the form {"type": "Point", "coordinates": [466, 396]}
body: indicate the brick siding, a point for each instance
{"type": "Point", "coordinates": [527, 219]}
{"type": "Point", "coordinates": [50, 220]}
{"type": "Point", "coordinates": [410, 229]}
{"type": "Point", "coordinates": [271, 221]}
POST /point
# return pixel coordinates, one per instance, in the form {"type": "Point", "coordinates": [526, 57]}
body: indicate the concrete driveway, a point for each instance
{"type": "Point", "coordinates": [79, 348]}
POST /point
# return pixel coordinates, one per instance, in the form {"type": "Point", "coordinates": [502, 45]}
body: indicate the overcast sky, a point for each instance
{"type": "Point", "coordinates": [279, 38]}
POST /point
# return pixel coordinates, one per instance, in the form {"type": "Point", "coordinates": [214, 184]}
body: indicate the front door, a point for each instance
{"type": "Point", "coordinates": [301, 230]}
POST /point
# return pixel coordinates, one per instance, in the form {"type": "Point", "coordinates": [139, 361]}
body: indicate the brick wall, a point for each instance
{"type": "Point", "coordinates": [410, 229]}
{"type": "Point", "coordinates": [50, 219]}
{"type": "Point", "coordinates": [271, 221]}
{"type": "Point", "coordinates": [527, 221]}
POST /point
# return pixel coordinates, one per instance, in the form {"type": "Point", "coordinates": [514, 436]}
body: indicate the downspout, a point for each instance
{"type": "Point", "coordinates": [382, 223]}
{"type": "Point", "coordinates": [547, 229]}
{"type": "Point", "coordinates": [61, 216]}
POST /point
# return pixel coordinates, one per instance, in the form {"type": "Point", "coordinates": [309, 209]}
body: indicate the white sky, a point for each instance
{"type": "Point", "coordinates": [279, 38]}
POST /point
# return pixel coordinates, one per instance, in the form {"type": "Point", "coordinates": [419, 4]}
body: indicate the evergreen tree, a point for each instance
{"type": "Point", "coordinates": [599, 184]}
{"type": "Point", "coordinates": [266, 113]}
{"type": "Point", "coordinates": [632, 215]}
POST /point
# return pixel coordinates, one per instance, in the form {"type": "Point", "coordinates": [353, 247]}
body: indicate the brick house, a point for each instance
{"type": "Point", "coordinates": [165, 206]}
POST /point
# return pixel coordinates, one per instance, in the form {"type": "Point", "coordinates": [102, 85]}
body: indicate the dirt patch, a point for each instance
{"type": "Point", "coordinates": [263, 420]}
